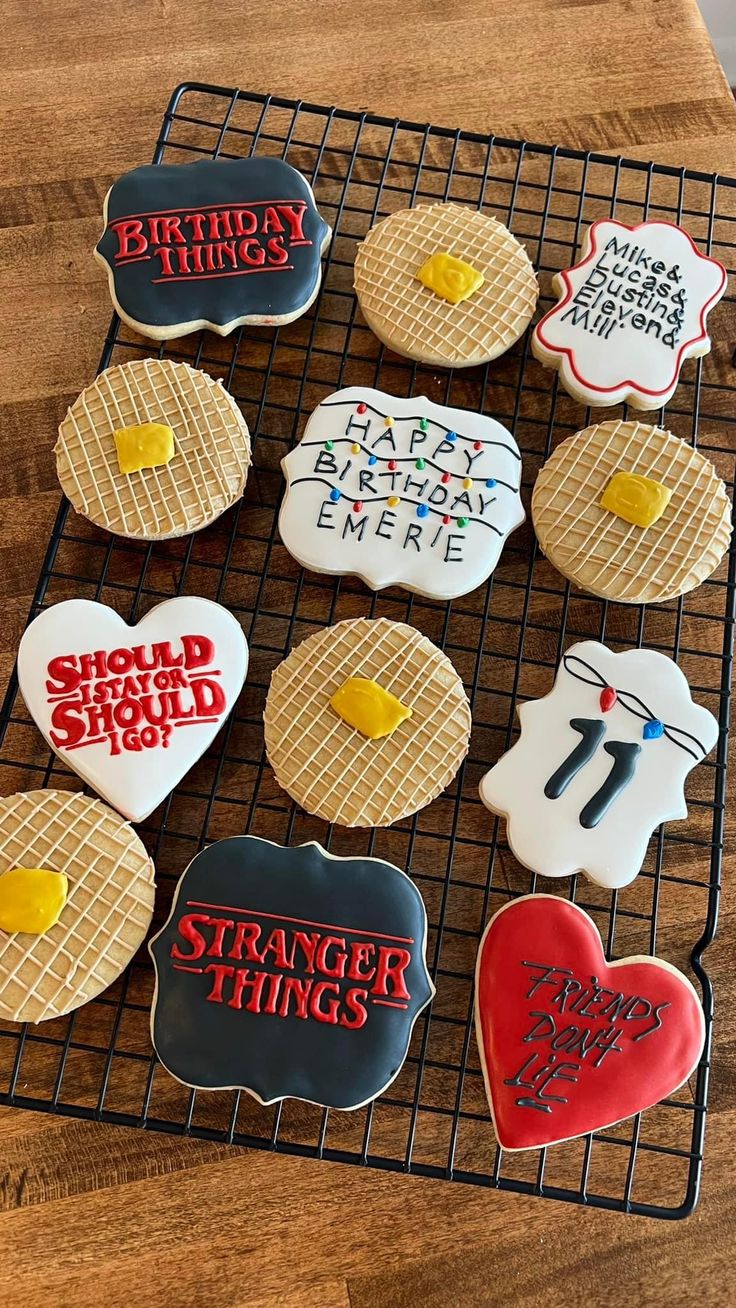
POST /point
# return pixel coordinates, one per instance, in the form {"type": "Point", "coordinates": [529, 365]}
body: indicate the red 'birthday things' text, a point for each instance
{"type": "Point", "coordinates": [133, 698]}
{"type": "Point", "coordinates": [230, 239]}
{"type": "Point", "coordinates": [315, 973]}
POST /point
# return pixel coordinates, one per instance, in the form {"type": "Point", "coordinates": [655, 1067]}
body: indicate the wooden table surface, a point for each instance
{"type": "Point", "coordinates": [98, 1215]}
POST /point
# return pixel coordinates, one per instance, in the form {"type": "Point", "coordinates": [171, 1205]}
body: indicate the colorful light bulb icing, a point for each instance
{"type": "Point", "coordinates": [367, 707]}
{"type": "Point", "coordinates": [31, 899]}
{"type": "Point", "coordinates": [593, 774]}
{"type": "Point", "coordinates": [437, 501]}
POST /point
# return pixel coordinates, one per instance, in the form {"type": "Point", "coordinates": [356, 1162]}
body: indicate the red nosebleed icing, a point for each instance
{"type": "Point", "coordinates": [133, 697]}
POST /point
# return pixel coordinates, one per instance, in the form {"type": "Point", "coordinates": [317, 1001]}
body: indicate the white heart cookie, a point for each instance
{"type": "Point", "coordinates": [131, 709]}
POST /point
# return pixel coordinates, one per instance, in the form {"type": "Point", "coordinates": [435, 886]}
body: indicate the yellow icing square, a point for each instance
{"type": "Point", "coordinates": [450, 278]}
{"type": "Point", "coordinates": [31, 899]}
{"type": "Point", "coordinates": [147, 445]}
{"type": "Point", "coordinates": [367, 707]}
{"type": "Point", "coordinates": [638, 500]}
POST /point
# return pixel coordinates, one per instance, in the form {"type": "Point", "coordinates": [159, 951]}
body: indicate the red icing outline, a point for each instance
{"type": "Point", "coordinates": [569, 351]}
{"type": "Point", "coordinates": [199, 208]}
{"type": "Point", "coordinates": [546, 930]}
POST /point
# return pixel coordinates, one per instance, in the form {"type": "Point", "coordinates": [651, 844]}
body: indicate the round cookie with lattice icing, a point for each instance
{"type": "Point", "coordinates": [445, 284]}
{"type": "Point", "coordinates": [76, 899]}
{"type": "Point", "coordinates": [630, 512]}
{"type": "Point", "coordinates": [401, 491]}
{"type": "Point", "coordinates": [153, 449]}
{"type": "Point", "coordinates": [366, 722]}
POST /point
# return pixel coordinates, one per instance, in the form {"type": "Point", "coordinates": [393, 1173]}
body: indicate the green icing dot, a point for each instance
{"type": "Point", "coordinates": [462, 522]}
{"type": "Point", "coordinates": [329, 445]}
{"type": "Point", "coordinates": [420, 464]}
{"type": "Point", "coordinates": [423, 424]}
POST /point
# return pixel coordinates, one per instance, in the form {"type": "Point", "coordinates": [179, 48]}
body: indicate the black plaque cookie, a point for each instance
{"type": "Point", "coordinates": [289, 973]}
{"type": "Point", "coordinates": [212, 244]}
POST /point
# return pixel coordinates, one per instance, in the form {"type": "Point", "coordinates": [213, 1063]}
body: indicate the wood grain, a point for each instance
{"type": "Point", "coordinates": [93, 1214]}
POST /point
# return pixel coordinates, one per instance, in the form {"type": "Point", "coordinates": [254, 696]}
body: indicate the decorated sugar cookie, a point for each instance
{"type": "Point", "coordinates": [401, 491]}
{"type": "Point", "coordinates": [366, 722]}
{"type": "Point", "coordinates": [153, 449]}
{"type": "Point", "coordinates": [76, 898]}
{"type": "Point", "coordinates": [601, 761]}
{"type": "Point", "coordinates": [568, 1042]}
{"type": "Point", "coordinates": [131, 709]}
{"type": "Point", "coordinates": [211, 244]}
{"type": "Point", "coordinates": [445, 284]}
{"type": "Point", "coordinates": [289, 973]}
{"type": "Point", "coordinates": [629, 314]}
{"type": "Point", "coordinates": [631, 513]}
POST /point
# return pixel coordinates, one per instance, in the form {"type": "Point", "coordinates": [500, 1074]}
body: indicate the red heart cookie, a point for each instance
{"type": "Point", "coordinates": [568, 1042]}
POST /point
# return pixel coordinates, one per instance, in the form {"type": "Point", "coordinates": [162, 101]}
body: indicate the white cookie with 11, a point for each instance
{"type": "Point", "coordinates": [600, 762]}
{"type": "Point", "coordinates": [401, 492]}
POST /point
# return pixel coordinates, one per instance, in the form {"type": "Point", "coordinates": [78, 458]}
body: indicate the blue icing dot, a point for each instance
{"type": "Point", "coordinates": [491, 483]}
{"type": "Point", "coordinates": [653, 730]}
{"type": "Point", "coordinates": [334, 495]}
{"type": "Point", "coordinates": [422, 510]}
{"type": "Point", "coordinates": [451, 436]}
{"type": "Point", "coordinates": [373, 459]}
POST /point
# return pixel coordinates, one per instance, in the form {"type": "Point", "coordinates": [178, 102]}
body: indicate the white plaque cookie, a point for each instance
{"type": "Point", "coordinates": [401, 492]}
{"type": "Point", "coordinates": [629, 314]}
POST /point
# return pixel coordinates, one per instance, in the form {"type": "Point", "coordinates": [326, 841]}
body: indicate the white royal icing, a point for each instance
{"type": "Point", "coordinates": [131, 709]}
{"type": "Point", "coordinates": [441, 538]}
{"type": "Point", "coordinates": [545, 833]}
{"type": "Point", "coordinates": [630, 313]}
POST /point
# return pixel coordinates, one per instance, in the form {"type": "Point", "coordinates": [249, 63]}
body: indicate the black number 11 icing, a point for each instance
{"type": "Point", "coordinates": [289, 973]}
{"type": "Point", "coordinates": [601, 761]}
{"type": "Point", "coordinates": [212, 244]}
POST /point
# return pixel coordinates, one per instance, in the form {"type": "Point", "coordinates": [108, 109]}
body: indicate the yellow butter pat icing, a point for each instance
{"type": "Point", "coordinates": [147, 445]}
{"type": "Point", "coordinates": [450, 278]}
{"type": "Point", "coordinates": [365, 705]}
{"type": "Point", "coordinates": [636, 499]}
{"type": "Point", "coordinates": [31, 899]}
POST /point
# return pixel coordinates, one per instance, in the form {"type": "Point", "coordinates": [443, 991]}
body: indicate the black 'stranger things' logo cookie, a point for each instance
{"type": "Point", "coordinates": [289, 972]}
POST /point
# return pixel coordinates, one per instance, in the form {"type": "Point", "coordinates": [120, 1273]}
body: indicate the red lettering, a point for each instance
{"type": "Point", "coordinates": [355, 1004]}
{"type": "Point", "coordinates": [68, 726]}
{"type": "Point", "coordinates": [392, 963]}
{"type": "Point", "coordinates": [273, 993]}
{"type": "Point", "coordinates": [307, 942]}
{"type": "Point", "coordinates": [246, 222]}
{"type": "Point", "coordinates": [120, 660]}
{"type": "Point", "coordinates": [131, 240]}
{"type": "Point", "coordinates": [330, 1013]}
{"type": "Point", "coordinates": [243, 981]}
{"type": "Point", "coordinates": [64, 671]}
{"type": "Point", "coordinates": [164, 254]}
{"type": "Point", "coordinates": [186, 926]}
{"type": "Point", "coordinates": [220, 225]}
{"type": "Point", "coordinates": [277, 250]}
{"type": "Point", "coordinates": [338, 966]}
{"type": "Point", "coordinates": [209, 698]}
{"type": "Point", "coordinates": [100, 720]}
{"type": "Point", "coordinates": [220, 972]}
{"type": "Point", "coordinates": [271, 221]}
{"type": "Point", "coordinates": [255, 259]}
{"type": "Point", "coordinates": [128, 713]}
{"type": "Point", "coordinates": [182, 258]}
{"type": "Point", "coordinates": [247, 935]}
{"type": "Point", "coordinates": [361, 954]}
{"type": "Point", "coordinates": [171, 230]}
{"type": "Point", "coordinates": [221, 925]}
{"type": "Point", "coordinates": [226, 248]}
{"type": "Point", "coordinates": [276, 945]}
{"type": "Point", "coordinates": [198, 650]}
{"type": "Point", "coordinates": [292, 985]}
{"type": "Point", "coordinates": [197, 221]}
{"type": "Point", "coordinates": [294, 215]}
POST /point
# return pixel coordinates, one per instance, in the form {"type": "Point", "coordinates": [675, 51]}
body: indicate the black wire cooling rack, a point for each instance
{"type": "Point", "coordinates": [505, 639]}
